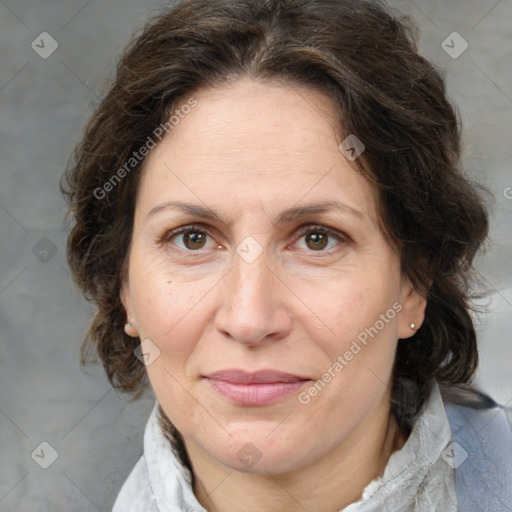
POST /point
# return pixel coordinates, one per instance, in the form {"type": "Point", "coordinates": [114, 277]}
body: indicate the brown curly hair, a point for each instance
{"type": "Point", "coordinates": [364, 55]}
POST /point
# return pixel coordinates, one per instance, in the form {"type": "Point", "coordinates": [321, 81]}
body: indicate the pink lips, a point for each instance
{"type": "Point", "coordinates": [258, 388]}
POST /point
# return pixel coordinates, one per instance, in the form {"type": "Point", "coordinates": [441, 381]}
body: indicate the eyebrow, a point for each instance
{"type": "Point", "coordinates": [291, 214]}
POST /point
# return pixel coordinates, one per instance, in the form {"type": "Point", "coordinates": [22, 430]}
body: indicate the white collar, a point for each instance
{"type": "Point", "coordinates": [170, 481]}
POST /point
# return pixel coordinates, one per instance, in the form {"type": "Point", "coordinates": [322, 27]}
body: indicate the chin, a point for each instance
{"type": "Point", "coordinates": [257, 452]}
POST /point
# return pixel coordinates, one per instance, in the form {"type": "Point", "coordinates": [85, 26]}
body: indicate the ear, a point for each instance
{"type": "Point", "coordinates": [126, 298]}
{"type": "Point", "coordinates": [413, 310]}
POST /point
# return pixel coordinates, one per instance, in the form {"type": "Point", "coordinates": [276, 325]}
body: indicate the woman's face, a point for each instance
{"type": "Point", "coordinates": [279, 266]}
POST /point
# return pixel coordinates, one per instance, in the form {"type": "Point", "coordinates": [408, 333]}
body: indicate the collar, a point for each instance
{"type": "Point", "coordinates": [170, 481]}
{"type": "Point", "coordinates": [416, 477]}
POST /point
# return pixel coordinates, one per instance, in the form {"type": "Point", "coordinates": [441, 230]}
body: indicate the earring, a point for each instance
{"type": "Point", "coordinates": [412, 326]}
{"type": "Point", "coordinates": [127, 325]}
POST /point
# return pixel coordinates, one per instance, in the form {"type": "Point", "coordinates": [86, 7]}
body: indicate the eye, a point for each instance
{"type": "Point", "coordinates": [192, 238]}
{"type": "Point", "coordinates": [316, 238]}
{"type": "Point", "coordinates": [320, 238]}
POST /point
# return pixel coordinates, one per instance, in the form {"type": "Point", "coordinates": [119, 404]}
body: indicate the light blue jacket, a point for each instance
{"type": "Point", "coordinates": [483, 449]}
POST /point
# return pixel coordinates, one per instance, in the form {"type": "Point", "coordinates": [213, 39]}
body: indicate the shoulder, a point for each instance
{"type": "Point", "coordinates": [481, 451]}
{"type": "Point", "coordinates": [135, 494]}
{"type": "Point", "coordinates": [476, 417]}
{"type": "Point", "coordinates": [465, 395]}
{"type": "Point", "coordinates": [470, 409]}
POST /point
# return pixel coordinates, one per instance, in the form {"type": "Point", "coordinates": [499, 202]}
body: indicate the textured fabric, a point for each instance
{"type": "Point", "coordinates": [420, 477]}
{"type": "Point", "coordinates": [416, 478]}
{"type": "Point", "coordinates": [483, 458]}
{"type": "Point", "coordinates": [158, 482]}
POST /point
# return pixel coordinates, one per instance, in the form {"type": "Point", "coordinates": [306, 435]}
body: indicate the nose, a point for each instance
{"type": "Point", "coordinates": [253, 306]}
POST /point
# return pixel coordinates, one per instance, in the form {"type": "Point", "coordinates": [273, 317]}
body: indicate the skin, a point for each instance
{"type": "Point", "coordinates": [250, 150]}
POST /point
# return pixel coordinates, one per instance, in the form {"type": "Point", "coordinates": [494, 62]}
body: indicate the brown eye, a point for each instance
{"type": "Point", "coordinates": [194, 239]}
{"type": "Point", "coordinates": [316, 240]}
{"type": "Point", "coordinates": [188, 238]}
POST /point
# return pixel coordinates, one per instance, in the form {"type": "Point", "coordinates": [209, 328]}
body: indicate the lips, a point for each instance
{"type": "Point", "coordinates": [258, 377]}
{"type": "Point", "coordinates": [263, 387]}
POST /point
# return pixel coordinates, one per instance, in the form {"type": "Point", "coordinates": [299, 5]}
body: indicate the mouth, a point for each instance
{"type": "Point", "coordinates": [255, 388]}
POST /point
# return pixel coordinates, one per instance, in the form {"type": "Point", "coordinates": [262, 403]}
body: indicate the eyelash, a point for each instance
{"type": "Point", "coordinates": [302, 231]}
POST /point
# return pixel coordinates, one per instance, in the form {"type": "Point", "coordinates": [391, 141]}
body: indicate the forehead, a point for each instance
{"type": "Point", "coordinates": [254, 143]}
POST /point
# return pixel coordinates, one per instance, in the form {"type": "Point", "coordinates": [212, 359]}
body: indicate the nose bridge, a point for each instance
{"type": "Point", "coordinates": [251, 285]}
{"type": "Point", "coordinates": [252, 307]}
{"type": "Point", "coordinates": [250, 272]}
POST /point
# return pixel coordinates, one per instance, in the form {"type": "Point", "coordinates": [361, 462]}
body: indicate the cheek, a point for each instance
{"type": "Point", "coordinates": [350, 303]}
{"type": "Point", "coordinates": [172, 312]}
{"type": "Point", "coordinates": [361, 317]}
{"type": "Point", "coordinates": [164, 301]}
{"type": "Point", "coordinates": [169, 312]}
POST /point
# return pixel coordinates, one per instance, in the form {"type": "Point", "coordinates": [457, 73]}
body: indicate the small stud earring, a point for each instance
{"type": "Point", "coordinates": [413, 326]}
{"type": "Point", "coordinates": [127, 325]}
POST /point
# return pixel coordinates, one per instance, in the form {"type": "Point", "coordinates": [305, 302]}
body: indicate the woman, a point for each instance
{"type": "Point", "coordinates": [270, 215]}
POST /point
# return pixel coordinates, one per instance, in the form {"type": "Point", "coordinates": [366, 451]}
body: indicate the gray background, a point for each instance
{"type": "Point", "coordinates": [44, 103]}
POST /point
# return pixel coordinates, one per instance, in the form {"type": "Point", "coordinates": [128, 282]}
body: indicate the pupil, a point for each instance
{"type": "Point", "coordinates": [195, 239]}
{"type": "Point", "coordinates": [319, 240]}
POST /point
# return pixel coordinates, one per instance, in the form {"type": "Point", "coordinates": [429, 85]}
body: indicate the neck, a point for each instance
{"type": "Point", "coordinates": [328, 484]}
